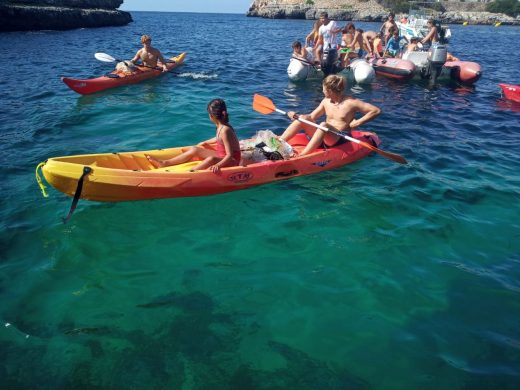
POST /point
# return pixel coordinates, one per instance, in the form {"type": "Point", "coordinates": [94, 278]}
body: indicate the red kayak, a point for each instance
{"type": "Point", "coordinates": [511, 92]}
{"type": "Point", "coordinates": [116, 79]}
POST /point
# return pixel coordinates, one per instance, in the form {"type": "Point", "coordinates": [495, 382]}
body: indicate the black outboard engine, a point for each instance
{"type": "Point", "coordinates": [437, 57]}
{"type": "Point", "coordinates": [329, 61]}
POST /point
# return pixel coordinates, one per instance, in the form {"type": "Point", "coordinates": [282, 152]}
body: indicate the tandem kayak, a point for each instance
{"type": "Point", "coordinates": [127, 176]}
{"type": "Point", "coordinates": [511, 92]}
{"type": "Point", "coordinates": [116, 79]}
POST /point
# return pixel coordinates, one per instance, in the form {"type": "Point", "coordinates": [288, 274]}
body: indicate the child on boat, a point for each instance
{"type": "Point", "coordinates": [227, 153]}
{"type": "Point", "coordinates": [377, 45]}
{"type": "Point", "coordinates": [299, 52]}
{"type": "Point", "coordinates": [413, 45]}
{"type": "Point", "coordinates": [311, 40]}
{"type": "Point", "coordinates": [393, 47]}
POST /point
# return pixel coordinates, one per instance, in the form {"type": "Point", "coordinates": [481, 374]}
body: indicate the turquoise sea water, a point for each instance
{"type": "Point", "coordinates": [375, 275]}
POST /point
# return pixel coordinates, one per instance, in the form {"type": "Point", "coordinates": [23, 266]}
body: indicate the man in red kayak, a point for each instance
{"type": "Point", "coordinates": [340, 111]}
{"type": "Point", "coordinates": [149, 55]}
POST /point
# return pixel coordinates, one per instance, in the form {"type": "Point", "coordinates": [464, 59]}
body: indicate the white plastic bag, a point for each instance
{"type": "Point", "coordinates": [273, 143]}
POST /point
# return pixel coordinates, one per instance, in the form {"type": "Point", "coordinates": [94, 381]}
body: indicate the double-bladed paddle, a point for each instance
{"type": "Point", "coordinates": [264, 105]}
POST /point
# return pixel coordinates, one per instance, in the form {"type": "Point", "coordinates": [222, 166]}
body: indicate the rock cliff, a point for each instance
{"type": "Point", "coordinates": [23, 15]}
{"type": "Point", "coordinates": [370, 10]}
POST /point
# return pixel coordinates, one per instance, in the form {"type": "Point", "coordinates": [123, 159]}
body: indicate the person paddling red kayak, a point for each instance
{"type": "Point", "coordinates": [149, 56]}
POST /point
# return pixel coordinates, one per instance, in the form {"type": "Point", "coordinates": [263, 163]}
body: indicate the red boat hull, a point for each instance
{"type": "Point", "coordinates": [465, 72]}
{"type": "Point", "coordinates": [511, 92]}
{"type": "Point", "coordinates": [88, 86]}
{"type": "Point", "coordinates": [394, 68]}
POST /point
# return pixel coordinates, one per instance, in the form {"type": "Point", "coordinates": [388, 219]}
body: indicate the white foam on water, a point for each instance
{"type": "Point", "coordinates": [198, 76]}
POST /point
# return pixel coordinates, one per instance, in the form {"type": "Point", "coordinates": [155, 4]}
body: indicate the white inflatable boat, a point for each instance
{"type": "Point", "coordinates": [359, 71]}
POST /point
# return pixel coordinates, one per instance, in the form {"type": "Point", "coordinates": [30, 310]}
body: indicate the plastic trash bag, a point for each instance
{"type": "Point", "coordinates": [265, 145]}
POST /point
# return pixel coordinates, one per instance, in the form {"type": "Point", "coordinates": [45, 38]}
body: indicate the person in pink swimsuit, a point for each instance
{"type": "Point", "coordinates": [226, 153]}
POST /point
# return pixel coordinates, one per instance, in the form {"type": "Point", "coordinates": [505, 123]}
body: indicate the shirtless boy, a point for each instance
{"type": "Point", "coordinates": [385, 28]}
{"type": "Point", "coordinates": [433, 34]}
{"type": "Point", "coordinates": [149, 55]}
{"type": "Point", "coordinates": [340, 111]}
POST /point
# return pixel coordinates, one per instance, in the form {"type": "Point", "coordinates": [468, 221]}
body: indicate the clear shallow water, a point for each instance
{"type": "Point", "coordinates": [374, 275]}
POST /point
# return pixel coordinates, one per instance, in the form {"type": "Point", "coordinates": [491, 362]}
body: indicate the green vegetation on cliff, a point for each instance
{"type": "Point", "coordinates": [403, 6]}
{"type": "Point", "coordinates": [508, 7]}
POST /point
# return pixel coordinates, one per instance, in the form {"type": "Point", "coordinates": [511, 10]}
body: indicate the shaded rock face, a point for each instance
{"type": "Point", "coordinates": [369, 11]}
{"type": "Point", "coordinates": [101, 4]}
{"type": "Point", "coordinates": [365, 10]}
{"type": "Point", "coordinates": [24, 15]}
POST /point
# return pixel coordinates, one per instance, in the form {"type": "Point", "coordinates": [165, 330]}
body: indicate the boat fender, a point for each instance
{"type": "Point", "coordinates": [77, 194]}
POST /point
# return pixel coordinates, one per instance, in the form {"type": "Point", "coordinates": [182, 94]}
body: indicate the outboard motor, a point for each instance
{"type": "Point", "coordinates": [329, 61]}
{"type": "Point", "coordinates": [437, 57]}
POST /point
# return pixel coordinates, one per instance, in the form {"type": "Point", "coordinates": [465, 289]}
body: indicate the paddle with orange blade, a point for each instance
{"type": "Point", "coordinates": [264, 105]}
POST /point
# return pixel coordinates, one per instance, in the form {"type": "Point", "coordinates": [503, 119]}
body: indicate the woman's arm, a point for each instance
{"type": "Point", "coordinates": [207, 142]}
{"type": "Point", "coordinates": [428, 36]}
{"type": "Point", "coordinates": [317, 113]}
{"type": "Point", "coordinates": [313, 116]}
{"type": "Point", "coordinates": [367, 45]}
{"type": "Point", "coordinates": [370, 111]}
{"type": "Point", "coordinates": [354, 40]}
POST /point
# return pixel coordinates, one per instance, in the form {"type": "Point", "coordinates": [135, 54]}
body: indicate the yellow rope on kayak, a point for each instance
{"type": "Point", "coordinates": [40, 182]}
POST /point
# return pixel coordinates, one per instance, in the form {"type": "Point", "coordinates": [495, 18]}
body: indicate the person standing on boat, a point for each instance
{"type": "Point", "coordinates": [149, 56]}
{"type": "Point", "coordinates": [356, 47]}
{"type": "Point", "coordinates": [385, 28]}
{"type": "Point", "coordinates": [311, 40]}
{"type": "Point", "coordinates": [340, 111]}
{"type": "Point", "coordinates": [432, 36]}
{"type": "Point", "coordinates": [377, 45]}
{"type": "Point", "coordinates": [327, 36]}
{"type": "Point", "coordinates": [368, 41]}
{"type": "Point", "coordinates": [358, 43]}
{"type": "Point", "coordinates": [347, 37]}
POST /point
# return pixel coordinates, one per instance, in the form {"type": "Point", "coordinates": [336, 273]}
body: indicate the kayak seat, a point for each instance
{"type": "Point", "coordinates": [186, 167]}
{"type": "Point", "coordinates": [299, 139]}
{"type": "Point", "coordinates": [109, 162]}
{"type": "Point", "coordinates": [143, 162]}
{"type": "Point", "coordinates": [129, 162]}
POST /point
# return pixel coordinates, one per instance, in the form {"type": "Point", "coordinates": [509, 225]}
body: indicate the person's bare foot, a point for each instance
{"type": "Point", "coordinates": [156, 163]}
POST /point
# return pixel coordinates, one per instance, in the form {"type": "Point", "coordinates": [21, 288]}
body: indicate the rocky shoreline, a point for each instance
{"type": "Point", "coordinates": [26, 15]}
{"type": "Point", "coordinates": [371, 11]}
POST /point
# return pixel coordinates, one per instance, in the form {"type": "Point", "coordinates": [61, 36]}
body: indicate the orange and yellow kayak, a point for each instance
{"type": "Point", "coordinates": [116, 79]}
{"type": "Point", "coordinates": [115, 177]}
